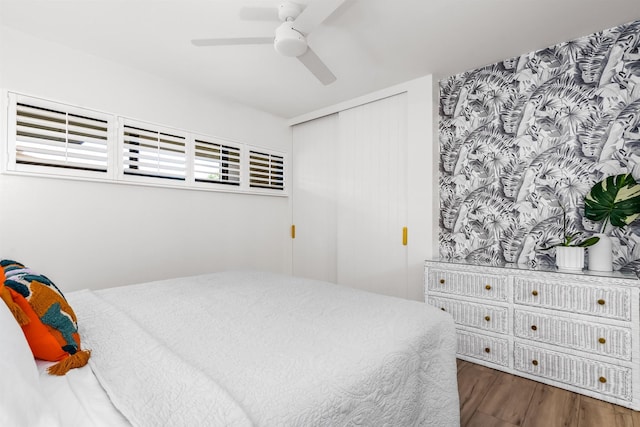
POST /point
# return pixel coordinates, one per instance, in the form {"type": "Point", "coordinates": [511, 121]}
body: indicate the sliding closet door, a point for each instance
{"type": "Point", "coordinates": [372, 196]}
{"type": "Point", "coordinates": [314, 195]}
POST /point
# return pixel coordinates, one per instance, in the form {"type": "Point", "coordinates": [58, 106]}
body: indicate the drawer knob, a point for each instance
{"type": "Point", "coordinates": [602, 380]}
{"type": "Point", "coordinates": [442, 308]}
{"type": "Point", "coordinates": [442, 281]}
{"type": "Point", "coordinates": [534, 293]}
{"type": "Point", "coordinates": [534, 362]}
{"type": "Point", "coordinates": [534, 328]}
{"type": "Point", "coordinates": [602, 340]}
{"type": "Point", "coordinates": [488, 287]}
{"type": "Point", "coordinates": [487, 350]}
{"type": "Point", "coordinates": [487, 318]}
{"type": "Point", "coordinates": [601, 301]}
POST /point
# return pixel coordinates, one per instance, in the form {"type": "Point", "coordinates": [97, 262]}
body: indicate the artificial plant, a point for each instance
{"type": "Point", "coordinates": [570, 239]}
{"type": "Point", "coordinates": [615, 200]}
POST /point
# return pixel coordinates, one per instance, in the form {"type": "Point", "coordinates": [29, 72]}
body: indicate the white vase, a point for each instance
{"type": "Point", "coordinates": [570, 258]}
{"type": "Point", "coordinates": [601, 254]}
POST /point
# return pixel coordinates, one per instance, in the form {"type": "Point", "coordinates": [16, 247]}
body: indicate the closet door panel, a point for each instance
{"type": "Point", "coordinates": [372, 196]}
{"type": "Point", "coordinates": [314, 174]}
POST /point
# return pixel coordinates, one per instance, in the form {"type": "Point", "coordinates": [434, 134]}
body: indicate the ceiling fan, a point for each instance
{"type": "Point", "coordinates": [291, 36]}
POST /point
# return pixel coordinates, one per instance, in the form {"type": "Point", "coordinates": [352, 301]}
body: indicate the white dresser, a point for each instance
{"type": "Point", "coordinates": [577, 331]}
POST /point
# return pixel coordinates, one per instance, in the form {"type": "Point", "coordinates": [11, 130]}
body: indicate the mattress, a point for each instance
{"type": "Point", "coordinates": [255, 348]}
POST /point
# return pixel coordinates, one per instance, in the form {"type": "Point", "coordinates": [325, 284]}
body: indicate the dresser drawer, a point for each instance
{"type": "Point", "coordinates": [483, 347]}
{"type": "Point", "coordinates": [592, 337]}
{"type": "Point", "coordinates": [606, 301]}
{"type": "Point", "coordinates": [577, 371]}
{"type": "Point", "coordinates": [482, 316]}
{"type": "Point", "coordinates": [484, 285]}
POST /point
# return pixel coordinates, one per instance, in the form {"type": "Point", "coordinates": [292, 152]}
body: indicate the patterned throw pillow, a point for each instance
{"type": "Point", "coordinates": [46, 318]}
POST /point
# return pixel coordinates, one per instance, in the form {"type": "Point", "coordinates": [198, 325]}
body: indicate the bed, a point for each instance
{"type": "Point", "coordinates": [244, 348]}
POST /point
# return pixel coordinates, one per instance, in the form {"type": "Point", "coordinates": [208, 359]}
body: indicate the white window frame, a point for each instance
{"type": "Point", "coordinates": [115, 153]}
{"type": "Point", "coordinates": [14, 166]}
{"type": "Point", "coordinates": [261, 150]}
{"type": "Point", "coordinates": [148, 179]}
{"type": "Point", "coordinates": [223, 142]}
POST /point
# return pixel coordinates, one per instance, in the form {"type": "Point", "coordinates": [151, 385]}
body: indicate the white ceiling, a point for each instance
{"type": "Point", "coordinates": [368, 44]}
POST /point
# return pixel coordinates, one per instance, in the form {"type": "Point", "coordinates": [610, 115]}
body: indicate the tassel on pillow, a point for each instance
{"type": "Point", "coordinates": [51, 328]}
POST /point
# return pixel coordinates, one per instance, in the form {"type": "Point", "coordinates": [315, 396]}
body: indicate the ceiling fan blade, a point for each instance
{"type": "Point", "coordinates": [314, 14]}
{"type": "Point", "coordinates": [317, 67]}
{"type": "Point", "coordinates": [259, 13]}
{"type": "Point", "coordinates": [232, 41]}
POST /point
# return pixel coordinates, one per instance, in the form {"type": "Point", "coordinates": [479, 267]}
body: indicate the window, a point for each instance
{"type": "Point", "coordinates": [266, 170]}
{"type": "Point", "coordinates": [57, 136]}
{"type": "Point", "coordinates": [53, 139]}
{"type": "Point", "coordinates": [152, 152]}
{"type": "Point", "coordinates": [216, 162]}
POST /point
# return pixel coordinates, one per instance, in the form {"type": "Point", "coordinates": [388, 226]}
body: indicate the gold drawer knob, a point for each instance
{"type": "Point", "coordinates": [534, 362]}
{"type": "Point", "coordinates": [488, 287]}
{"type": "Point", "coordinates": [487, 350]}
{"type": "Point", "coordinates": [601, 301]}
{"type": "Point", "coordinates": [602, 340]}
{"type": "Point", "coordinates": [602, 380]}
{"type": "Point", "coordinates": [442, 281]}
{"type": "Point", "coordinates": [534, 328]}
{"type": "Point", "coordinates": [534, 293]}
{"type": "Point", "coordinates": [487, 318]}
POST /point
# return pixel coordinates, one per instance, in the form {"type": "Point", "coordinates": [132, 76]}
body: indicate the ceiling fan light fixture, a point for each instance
{"type": "Point", "coordinates": [288, 41]}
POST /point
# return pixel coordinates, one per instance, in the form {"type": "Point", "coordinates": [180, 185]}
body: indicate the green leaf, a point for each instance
{"type": "Point", "coordinates": [589, 242]}
{"type": "Point", "coordinates": [616, 199]}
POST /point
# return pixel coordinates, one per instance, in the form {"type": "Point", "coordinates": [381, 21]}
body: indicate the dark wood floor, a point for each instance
{"type": "Point", "coordinates": [490, 398]}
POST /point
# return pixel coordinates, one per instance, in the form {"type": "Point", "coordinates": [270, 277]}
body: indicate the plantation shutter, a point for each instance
{"type": "Point", "coordinates": [153, 153]}
{"type": "Point", "coordinates": [266, 170]}
{"type": "Point", "coordinates": [60, 137]}
{"type": "Point", "coordinates": [216, 162]}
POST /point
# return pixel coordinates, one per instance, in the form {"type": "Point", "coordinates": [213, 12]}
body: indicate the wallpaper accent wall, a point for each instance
{"type": "Point", "coordinates": [522, 138]}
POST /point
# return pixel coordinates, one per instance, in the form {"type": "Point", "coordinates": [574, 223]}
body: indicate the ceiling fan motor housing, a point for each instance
{"type": "Point", "coordinates": [288, 41]}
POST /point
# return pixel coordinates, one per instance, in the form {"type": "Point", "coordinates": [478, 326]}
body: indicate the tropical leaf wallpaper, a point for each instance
{"type": "Point", "coordinates": [525, 138]}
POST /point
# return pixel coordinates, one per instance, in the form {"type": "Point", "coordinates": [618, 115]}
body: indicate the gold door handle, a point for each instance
{"type": "Point", "coordinates": [293, 231]}
{"type": "Point", "coordinates": [405, 236]}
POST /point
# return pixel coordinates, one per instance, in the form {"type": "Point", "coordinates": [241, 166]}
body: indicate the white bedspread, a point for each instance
{"type": "Point", "coordinates": [250, 348]}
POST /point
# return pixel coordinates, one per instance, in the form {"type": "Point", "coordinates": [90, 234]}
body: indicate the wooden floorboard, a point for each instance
{"type": "Point", "coordinates": [551, 406]}
{"type": "Point", "coordinates": [490, 398]}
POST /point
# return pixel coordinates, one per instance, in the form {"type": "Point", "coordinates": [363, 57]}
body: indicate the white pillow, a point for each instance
{"type": "Point", "coordinates": [21, 402]}
{"type": "Point", "coordinates": [15, 351]}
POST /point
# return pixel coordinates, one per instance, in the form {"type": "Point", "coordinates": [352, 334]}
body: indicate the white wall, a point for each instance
{"type": "Point", "coordinates": [94, 235]}
{"type": "Point", "coordinates": [422, 173]}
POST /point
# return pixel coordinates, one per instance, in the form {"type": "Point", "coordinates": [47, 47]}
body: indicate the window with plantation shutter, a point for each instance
{"type": "Point", "coordinates": [153, 152]}
{"type": "Point", "coordinates": [216, 162]}
{"type": "Point", "coordinates": [266, 170]}
{"type": "Point", "coordinates": [58, 140]}
{"type": "Point", "coordinates": [60, 136]}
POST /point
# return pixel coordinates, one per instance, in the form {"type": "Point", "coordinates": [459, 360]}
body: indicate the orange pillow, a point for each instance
{"type": "Point", "coordinates": [47, 320]}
